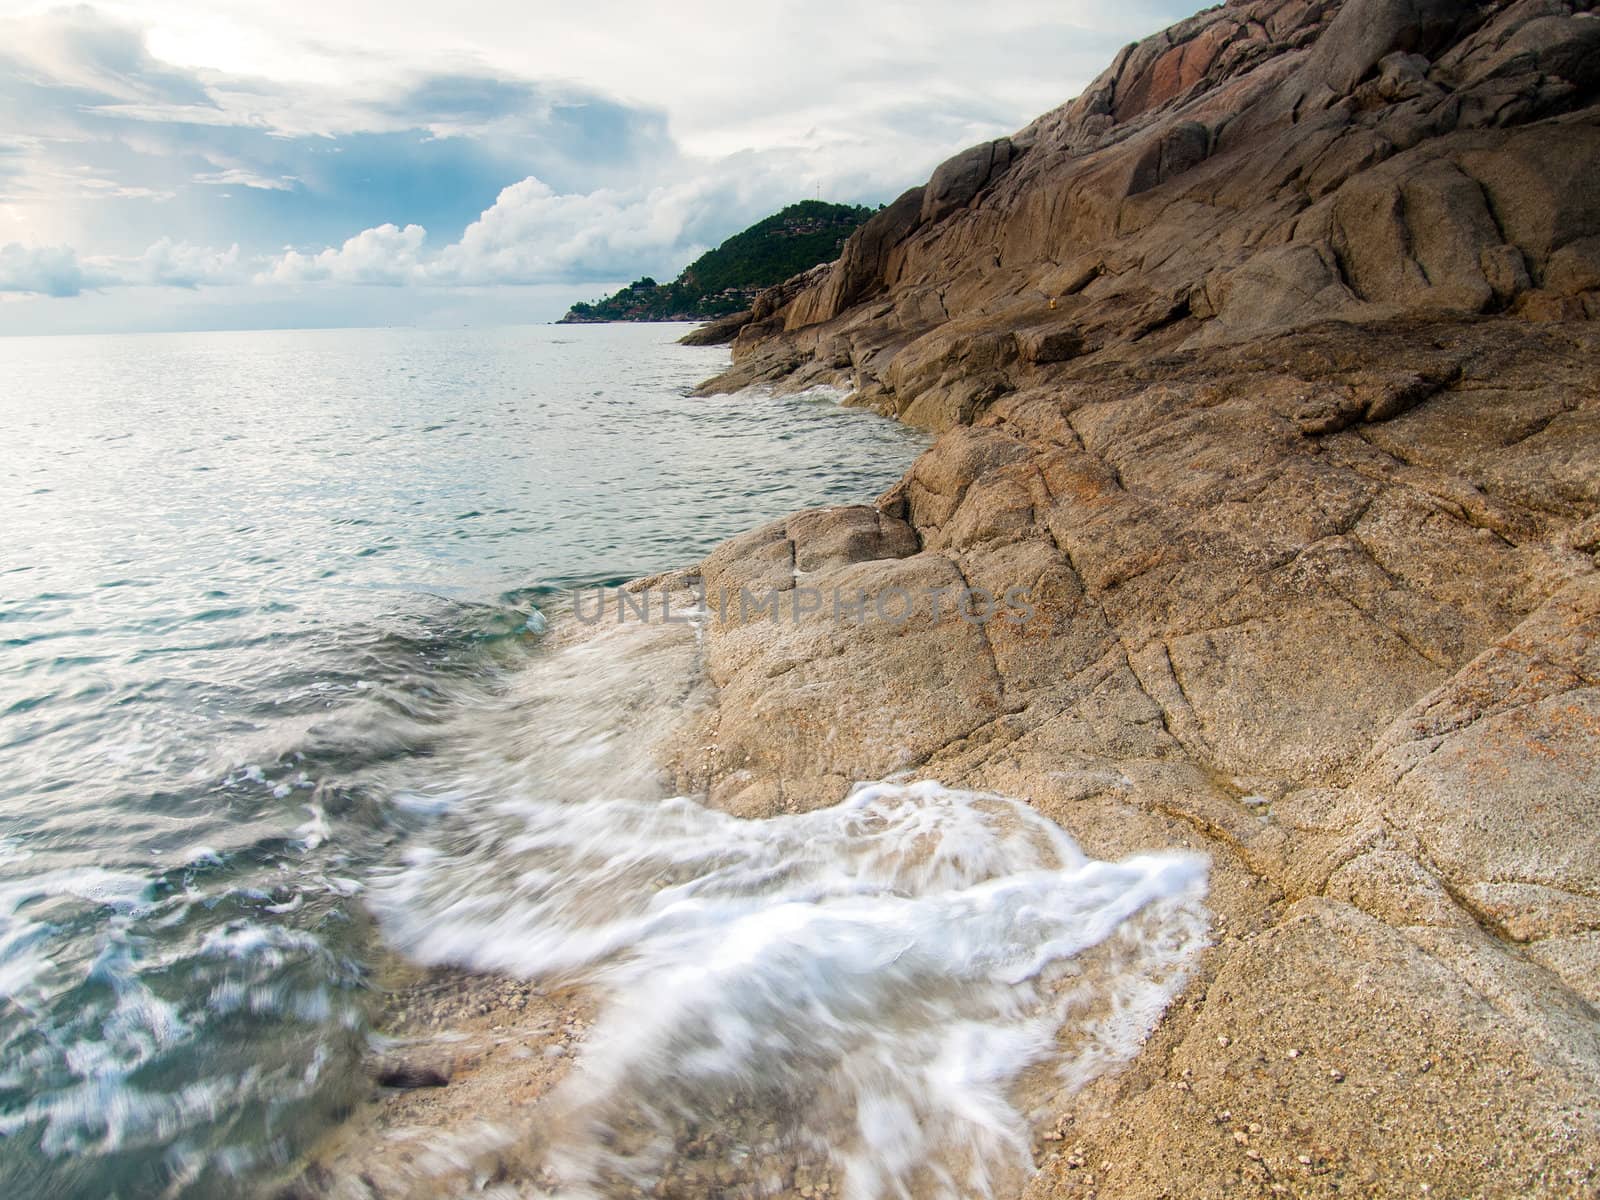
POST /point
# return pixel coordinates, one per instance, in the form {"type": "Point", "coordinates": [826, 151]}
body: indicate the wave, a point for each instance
{"type": "Point", "coordinates": [878, 992]}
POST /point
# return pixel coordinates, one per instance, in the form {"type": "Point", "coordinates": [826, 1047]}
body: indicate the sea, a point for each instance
{"type": "Point", "coordinates": [278, 702]}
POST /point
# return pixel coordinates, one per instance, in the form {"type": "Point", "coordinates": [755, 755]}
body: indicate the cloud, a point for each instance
{"type": "Point", "coordinates": [244, 177]}
{"type": "Point", "coordinates": [124, 149]}
{"type": "Point", "coordinates": [386, 255]}
{"type": "Point", "coordinates": [58, 271]}
{"type": "Point", "coordinates": [533, 234]}
{"type": "Point", "coordinates": [177, 264]}
{"type": "Point", "coordinates": [76, 49]}
{"type": "Point", "coordinates": [40, 270]}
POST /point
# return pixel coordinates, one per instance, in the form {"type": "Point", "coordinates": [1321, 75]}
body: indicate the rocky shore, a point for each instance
{"type": "Point", "coordinates": [1268, 367]}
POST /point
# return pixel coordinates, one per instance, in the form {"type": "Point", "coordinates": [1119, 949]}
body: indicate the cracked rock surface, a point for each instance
{"type": "Point", "coordinates": [1268, 368]}
{"type": "Point", "coordinates": [1356, 663]}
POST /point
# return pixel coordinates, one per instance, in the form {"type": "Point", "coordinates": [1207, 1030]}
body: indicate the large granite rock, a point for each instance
{"type": "Point", "coordinates": [1325, 605]}
{"type": "Point", "coordinates": [1259, 167]}
{"type": "Point", "coordinates": [1268, 370]}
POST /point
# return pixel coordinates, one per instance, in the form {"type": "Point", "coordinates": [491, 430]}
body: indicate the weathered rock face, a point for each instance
{"type": "Point", "coordinates": [1325, 605]}
{"type": "Point", "coordinates": [718, 332]}
{"type": "Point", "coordinates": [1268, 373]}
{"type": "Point", "coordinates": [1260, 167]}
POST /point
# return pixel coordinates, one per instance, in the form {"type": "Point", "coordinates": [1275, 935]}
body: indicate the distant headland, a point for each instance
{"type": "Point", "coordinates": [725, 280]}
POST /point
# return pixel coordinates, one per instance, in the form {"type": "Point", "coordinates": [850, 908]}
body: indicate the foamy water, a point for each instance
{"type": "Point", "coordinates": [274, 664]}
{"type": "Point", "coordinates": [880, 990]}
{"type": "Point", "coordinates": [254, 589]}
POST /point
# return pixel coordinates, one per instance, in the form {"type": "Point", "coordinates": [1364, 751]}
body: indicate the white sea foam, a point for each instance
{"type": "Point", "coordinates": [24, 954]}
{"type": "Point", "coordinates": [884, 990]}
{"type": "Point", "coordinates": [869, 981]}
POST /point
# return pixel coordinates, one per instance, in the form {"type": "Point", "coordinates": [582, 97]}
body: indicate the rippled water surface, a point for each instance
{"type": "Point", "coordinates": [251, 586]}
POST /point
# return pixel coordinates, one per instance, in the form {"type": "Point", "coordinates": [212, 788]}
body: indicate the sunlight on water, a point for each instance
{"type": "Point", "coordinates": [252, 585]}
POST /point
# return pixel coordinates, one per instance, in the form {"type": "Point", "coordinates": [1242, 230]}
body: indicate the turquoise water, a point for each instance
{"type": "Point", "coordinates": [248, 583]}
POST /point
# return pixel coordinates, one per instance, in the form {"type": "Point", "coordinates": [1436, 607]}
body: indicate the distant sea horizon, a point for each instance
{"type": "Point", "coordinates": [238, 310]}
{"type": "Point", "coordinates": [420, 326]}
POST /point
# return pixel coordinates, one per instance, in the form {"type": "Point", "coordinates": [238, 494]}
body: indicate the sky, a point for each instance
{"type": "Point", "coordinates": [168, 164]}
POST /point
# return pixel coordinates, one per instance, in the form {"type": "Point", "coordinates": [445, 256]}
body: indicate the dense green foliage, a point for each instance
{"type": "Point", "coordinates": [725, 280]}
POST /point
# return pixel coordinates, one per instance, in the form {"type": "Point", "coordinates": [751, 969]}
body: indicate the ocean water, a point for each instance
{"type": "Point", "coordinates": [248, 584]}
{"type": "Point", "coordinates": [277, 698]}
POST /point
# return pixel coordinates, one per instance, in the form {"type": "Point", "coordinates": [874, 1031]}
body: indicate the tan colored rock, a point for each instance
{"type": "Point", "coordinates": [1257, 168]}
{"type": "Point", "coordinates": [956, 182]}
{"type": "Point", "coordinates": [1049, 345]}
{"type": "Point", "coordinates": [1393, 1037]}
{"type": "Point", "coordinates": [1266, 371]}
{"type": "Point", "coordinates": [1325, 606]}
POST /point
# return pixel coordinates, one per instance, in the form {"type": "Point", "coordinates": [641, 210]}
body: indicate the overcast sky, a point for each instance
{"type": "Point", "coordinates": [171, 164]}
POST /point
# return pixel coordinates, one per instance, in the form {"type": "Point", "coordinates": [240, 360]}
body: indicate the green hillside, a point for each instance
{"type": "Point", "coordinates": [725, 280]}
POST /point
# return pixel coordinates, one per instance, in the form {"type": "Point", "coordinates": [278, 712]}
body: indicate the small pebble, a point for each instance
{"type": "Point", "coordinates": [1294, 1054]}
{"type": "Point", "coordinates": [1224, 1041]}
{"type": "Point", "coordinates": [1303, 1159]}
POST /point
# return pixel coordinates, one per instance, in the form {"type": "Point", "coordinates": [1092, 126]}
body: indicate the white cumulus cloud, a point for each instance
{"type": "Point", "coordinates": [41, 270]}
{"type": "Point", "coordinates": [385, 254]}
{"type": "Point", "coordinates": [533, 234]}
{"type": "Point", "coordinates": [177, 264]}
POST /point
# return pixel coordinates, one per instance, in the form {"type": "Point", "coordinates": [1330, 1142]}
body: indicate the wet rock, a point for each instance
{"type": "Point", "coordinates": [403, 1074]}
{"type": "Point", "coordinates": [720, 331]}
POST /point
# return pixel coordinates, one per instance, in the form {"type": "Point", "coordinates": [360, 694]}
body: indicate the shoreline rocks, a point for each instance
{"type": "Point", "coordinates": [1268, 366]}
{"type": "Point", "coordinates": [1261, 167]}
{"type": "Point", "coordinates": [1324, 607]}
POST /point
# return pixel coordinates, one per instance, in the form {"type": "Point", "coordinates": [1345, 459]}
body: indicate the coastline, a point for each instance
{"type": "Point", "coordinates": [1322, 898]}
{"type": "Point", "coordinates": [1316, 556]}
